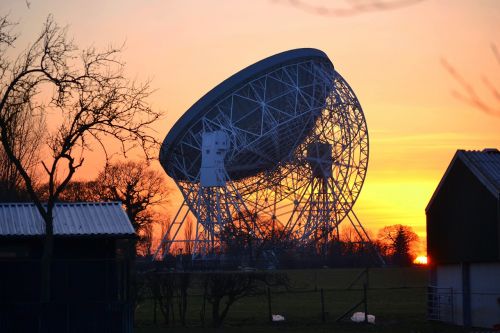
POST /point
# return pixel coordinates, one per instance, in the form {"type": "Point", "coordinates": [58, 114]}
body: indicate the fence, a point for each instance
{"type": "Point", "coordinates": [314, 296]}
{"type": "Point", "coordinates": [440, 304]}
{"type": "Point", "coordinates": [447, 305]}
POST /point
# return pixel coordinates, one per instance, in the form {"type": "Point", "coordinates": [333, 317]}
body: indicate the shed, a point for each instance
{"type": "Point", "coordinates": [90, 273]}
{"type": "Point", "coordinates": [463, 241]}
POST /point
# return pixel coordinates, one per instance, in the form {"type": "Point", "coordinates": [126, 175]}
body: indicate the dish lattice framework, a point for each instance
{"type": "Point", "coordinates": [296, 162]}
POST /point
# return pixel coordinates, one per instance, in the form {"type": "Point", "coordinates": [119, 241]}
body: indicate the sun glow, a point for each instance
{"type": "Point", "coordinates": [420, 260]}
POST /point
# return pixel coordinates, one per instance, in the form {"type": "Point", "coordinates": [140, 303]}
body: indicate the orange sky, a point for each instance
{"type": "Point", "coordinates": [392, 60]}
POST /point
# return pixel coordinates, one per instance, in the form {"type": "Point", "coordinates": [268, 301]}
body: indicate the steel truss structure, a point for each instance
{"type": "Point", "coordinates": [296, 160]}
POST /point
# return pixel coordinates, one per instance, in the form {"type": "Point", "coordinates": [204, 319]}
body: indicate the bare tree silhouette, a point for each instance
{"type": "Point", "coordinates": [468, 93]}
{"type": "Point", "coordinates": [137, 186]}
{"type": "Point", "coordinates": [399, 241]}
{"type": "Point", "coordinates": [88, 94]}
{"type": "Point", "coordinates": [25, 132]}
{"type": "Point", "coordinates": [188, 235]}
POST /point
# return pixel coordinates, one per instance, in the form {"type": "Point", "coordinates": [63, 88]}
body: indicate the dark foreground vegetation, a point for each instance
{"type": "Point", "coordinates": [310, 301]}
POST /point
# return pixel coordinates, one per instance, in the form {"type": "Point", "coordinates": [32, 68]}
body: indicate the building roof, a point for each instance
{"type": "Point", "coordinates": [70, 219]}
{"type": "Point", "coordinates": [484, 164]}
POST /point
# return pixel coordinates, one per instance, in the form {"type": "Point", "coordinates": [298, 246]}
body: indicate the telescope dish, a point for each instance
{"type": "Point", "coordinates": [265, 109]}
{"type": "Point", "coordinates": [274, 155]}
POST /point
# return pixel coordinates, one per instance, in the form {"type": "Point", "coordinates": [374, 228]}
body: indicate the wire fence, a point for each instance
{"type": "Point", "coordinates": [313, 296]}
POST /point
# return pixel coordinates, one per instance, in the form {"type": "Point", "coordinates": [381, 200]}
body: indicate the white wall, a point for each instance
{"type": "Point", "coordinates": [450, 276]}
{"type": "Point", "coordinates": [485, 292]}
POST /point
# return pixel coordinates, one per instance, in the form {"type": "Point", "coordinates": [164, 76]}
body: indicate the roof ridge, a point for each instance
{"type": "Point", "coordinates": [482, 151]}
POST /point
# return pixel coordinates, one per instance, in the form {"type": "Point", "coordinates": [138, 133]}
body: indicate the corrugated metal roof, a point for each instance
{"type": "Point", "coordinates": [485, 165]}
{"type": "Point", "coordinates": [70, 219]}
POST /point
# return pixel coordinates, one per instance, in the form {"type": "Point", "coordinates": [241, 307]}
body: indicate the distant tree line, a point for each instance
{"type": "Point", "coordinates": [395, 245]}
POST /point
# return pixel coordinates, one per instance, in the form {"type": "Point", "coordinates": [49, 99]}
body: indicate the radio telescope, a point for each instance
{"type": "Point", "coordinates": [282, 141]}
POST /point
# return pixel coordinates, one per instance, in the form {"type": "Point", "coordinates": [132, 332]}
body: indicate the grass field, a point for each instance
{"type": "Point", "coordinates": [396, 296]}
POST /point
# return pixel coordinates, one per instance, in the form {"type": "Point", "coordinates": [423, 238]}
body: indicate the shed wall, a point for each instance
{"type": "Point", "coordinates": [90, 278]}
{"type": "Point", "coordinates": [484, 293]}
{"type": "Point", "coordinates": [462, 220]}
{"type": "Point", "coordinates": [450, 277]}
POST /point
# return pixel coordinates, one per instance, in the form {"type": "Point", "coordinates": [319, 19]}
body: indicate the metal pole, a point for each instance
{"type": "Point", "coordinates": [365, 301]}
{"type": "Point", "coordinates": [269, 304]}
{"type": "Point", "coordinates": [154, 310]}
{"type": "Point", "coordinates": [204, 302]}
{"type": "Point", "coordinates": [323, 319]}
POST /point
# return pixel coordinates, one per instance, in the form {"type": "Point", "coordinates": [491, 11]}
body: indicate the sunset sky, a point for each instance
{"type": "Point", "coordinates": [392, 59]}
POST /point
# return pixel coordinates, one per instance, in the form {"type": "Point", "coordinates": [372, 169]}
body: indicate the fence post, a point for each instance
{"type": "Point", "coordinates": [269, 304]}
{"type": "Point", "coordinates": [322, 306]}
{"type": "Point", "coordinates": [202, 313]}
{"type": "Point", "coordinates": [365, 301]}
{"type": "Point", "coordinates": [154, 310]}
{"type": "Point", "coordinates": [452, 306]}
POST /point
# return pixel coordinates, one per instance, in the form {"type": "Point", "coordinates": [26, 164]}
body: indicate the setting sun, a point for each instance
{"type": "Point", "coordinates": [420, 260]}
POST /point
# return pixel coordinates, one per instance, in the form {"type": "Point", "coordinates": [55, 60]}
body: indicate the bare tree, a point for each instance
{"type": "Point", "coordinates": [144, 246]}
{"type": "Point", "coordinates": [399, 240]}
{"type": "Point", "coordinates": [350, 239]}
{"type": "Point", "coordinates": [349, 234]}
{"type": "Point", "coordinates": [24, 129]}
{"type": "Point", "coordinates": [92, 99]}
{"type": "Point", "coordinates": [188, 235]}
{"type": "Point", "coordinates": [474, 95]}
{"type": "Point", "coordinates": [75, 191]}
{"type": "Point", "coordinates": [25, 133]}
{"type": "Point", "coordinates": [139, 188]}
